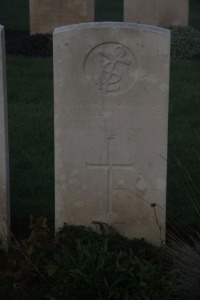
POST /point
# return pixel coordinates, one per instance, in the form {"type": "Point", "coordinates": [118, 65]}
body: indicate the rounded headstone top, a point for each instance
{"type": "Point", "coordinates": [123, 25]}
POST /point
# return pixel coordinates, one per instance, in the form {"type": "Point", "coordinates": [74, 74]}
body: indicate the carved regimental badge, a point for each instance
{"type": "Point", "coordinates": [111, 68]}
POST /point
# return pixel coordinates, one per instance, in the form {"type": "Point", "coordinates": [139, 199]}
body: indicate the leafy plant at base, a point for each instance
{"type": "Point", "coordinates": [22, 267]}
{"type": "Point", "coordinates": [186, 263]}
{"type": "Point", "coordinates": [184, 243]}
{"type": "Point", "coordinates": [95, 272]}
{"type": "Point", "coordinates": [81, 264]}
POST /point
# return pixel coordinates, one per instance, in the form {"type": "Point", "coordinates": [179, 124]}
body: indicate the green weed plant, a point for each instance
{"type": "Point", "coordinates": [186, 264]}
{"type": "Point", "coordinates": [81, 264]}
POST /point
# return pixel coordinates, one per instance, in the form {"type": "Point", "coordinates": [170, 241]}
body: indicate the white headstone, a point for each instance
{"type": "Point", "coordinates": [4, 182]}
{"type": "Point", "coordinates": [157, 12]}
{"type": "Point", "coordinates": [45, 15]}
{"type": "Point", "coordinates": [111, 83]}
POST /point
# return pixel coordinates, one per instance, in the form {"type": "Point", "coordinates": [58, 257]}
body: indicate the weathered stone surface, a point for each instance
{"type": "Point", "coordinates": [4, 183]}
{"type": "Point", "coordinates": [45, 15]}
{"type": "Point", "coordinates": [111, 84]}
{"type": "Point", "coordinates": [157, 12]}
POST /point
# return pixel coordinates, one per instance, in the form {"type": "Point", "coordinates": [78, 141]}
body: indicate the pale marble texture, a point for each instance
{"type": "Point", "coordinates": [45, 15]}
{"type": "Point", "coordinates": [157, 12]}
{"type": "Point", "coordinates": [111, 84]}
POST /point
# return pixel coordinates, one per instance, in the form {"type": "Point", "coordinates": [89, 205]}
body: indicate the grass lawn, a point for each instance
{"type": "Point", "coordinates": [30, 98]}
{"type": "Point", "coordinates": [184, 140]}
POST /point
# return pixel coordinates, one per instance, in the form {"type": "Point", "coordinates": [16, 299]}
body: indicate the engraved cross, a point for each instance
{"type": "Point", "coordinates": [109, 167]}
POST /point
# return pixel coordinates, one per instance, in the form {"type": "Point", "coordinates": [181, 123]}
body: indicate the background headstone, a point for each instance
{"type": "Point", "coordinates": [4, 182]}
{"type": "Point", "coordinates": [111, 84]}
{"type": "Point", "coordinates": [45, 15]}
{"type": "Point", "coordinates": [157, 12]}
